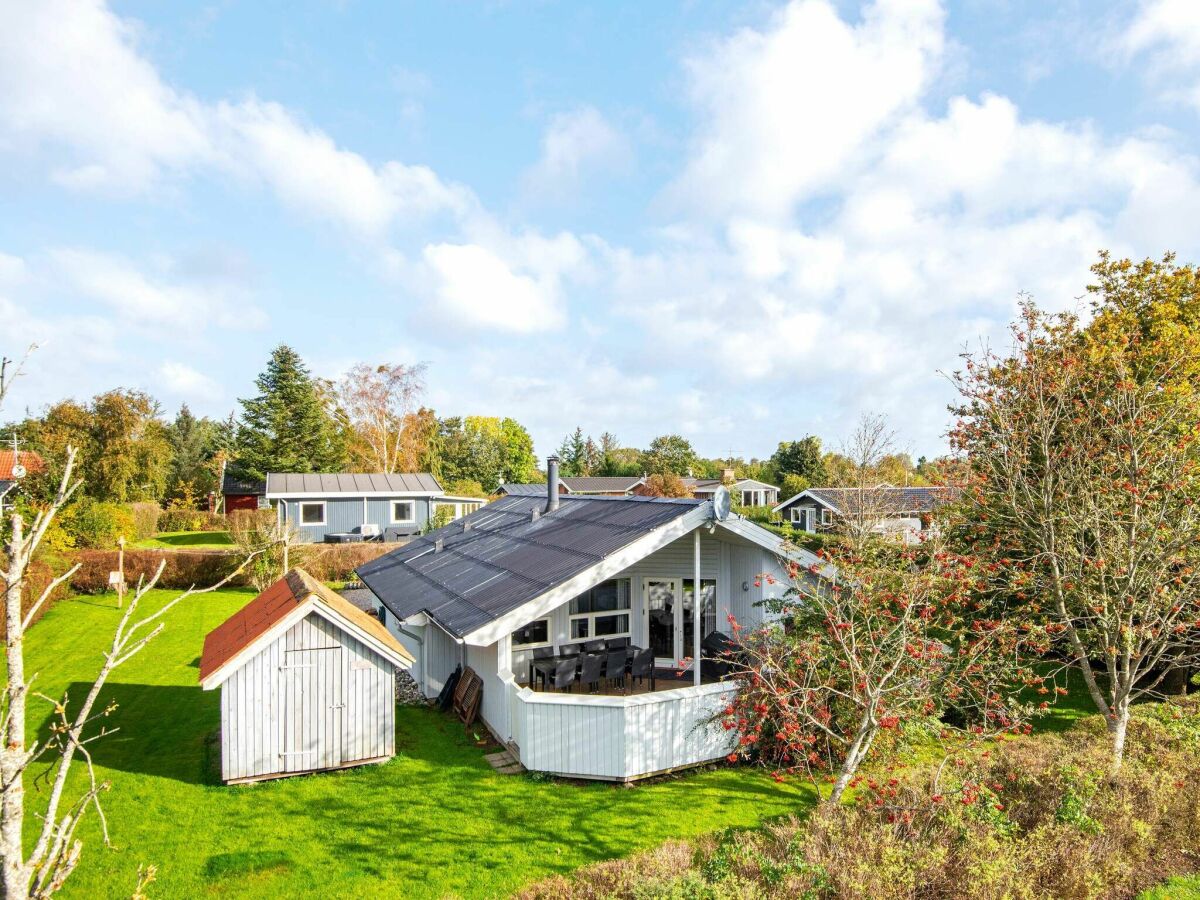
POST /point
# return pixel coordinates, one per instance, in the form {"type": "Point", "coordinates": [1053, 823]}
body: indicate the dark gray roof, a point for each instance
{"type": "Point", "coordinates": [585, 484]}
{"type": "Point", "coordinates": [361, 597]}
{"type": "Point", "coordinates": [499, 558]}
{"type": "Point", "coordinates": [351, 483]}
{"type": "Point", "coordinates": [894, 500]}
{"type": "Point", "coordinates": [235, 485]}
{"type": "Point", "coordinates": [523, 490]}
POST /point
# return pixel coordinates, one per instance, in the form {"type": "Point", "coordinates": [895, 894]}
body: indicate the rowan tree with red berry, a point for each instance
{"type": "Point", "coordinates": [880, 635]}
{"type": "Point", "coordinates": [1083, 448]}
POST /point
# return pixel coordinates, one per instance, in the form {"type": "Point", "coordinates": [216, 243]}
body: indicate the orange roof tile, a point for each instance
{"type": "Point", "coordinates": [262, 613]}
{"type": "Point", "coordinates": [30, 460]}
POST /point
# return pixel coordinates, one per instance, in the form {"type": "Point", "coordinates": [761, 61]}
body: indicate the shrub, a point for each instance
{"type": "Point", "coordinates": [145, 520]}
{"type": "Point", "coordinates": [336, 562]}
{"type": "Point", "coordinates": [96, 525]}
{"type": "Point", "coordinates": [183, 568]}
{"type": "Point", "coordinates": [190, 520]}
{"type": "Point", "coordinates": [1033, 817]}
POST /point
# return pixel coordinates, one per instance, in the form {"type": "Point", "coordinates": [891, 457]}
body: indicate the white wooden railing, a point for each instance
{"type": "Point", "coordinates": [618, 738]}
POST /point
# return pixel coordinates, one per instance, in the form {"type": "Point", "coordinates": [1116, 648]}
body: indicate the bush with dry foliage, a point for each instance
{"type": "Point", "coordinates": [1033, 817]}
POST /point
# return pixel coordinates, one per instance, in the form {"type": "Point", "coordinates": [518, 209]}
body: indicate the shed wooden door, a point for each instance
{"type": "Point", "coordinates": [314, 704]}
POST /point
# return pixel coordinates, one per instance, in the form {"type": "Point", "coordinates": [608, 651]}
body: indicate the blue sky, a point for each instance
{"type": "Point", "coordinates": [741, 222]}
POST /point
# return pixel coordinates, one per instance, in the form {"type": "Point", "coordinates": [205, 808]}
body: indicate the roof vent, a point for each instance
{"type": "Point", "coordinates": [466, 525]}
{"type": "Point", "coordinates": [535, 515]}
{"type": "Point", "coordinates": [439, 545]}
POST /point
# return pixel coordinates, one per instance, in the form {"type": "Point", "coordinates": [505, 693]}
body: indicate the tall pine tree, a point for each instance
{"type": "Point", "coordinates": [288, 427]}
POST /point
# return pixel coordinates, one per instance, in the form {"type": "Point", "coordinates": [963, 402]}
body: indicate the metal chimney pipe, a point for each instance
{"type": "Point", "coordinates": [551, 484]}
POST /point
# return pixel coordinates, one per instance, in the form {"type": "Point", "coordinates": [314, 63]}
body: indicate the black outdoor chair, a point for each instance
{"type": "Point", "coordinates": [617, 643]}
{"type": "Point", "coordinates": [642, 667]}
{"type": "Point", "coordinates": [570, 649]}
{"type": "Point", "coordinates": [541, 653]}
{"type": "Point", "coordinates": [591, 670]}
{"type": "Point", "coordinates": [717, 654]}
{"type": "Point", "coordinates": [595, 646]}
{"type": "Point", "coordinates": [564, 675]}
{"type": "Point", "coordinates": [615, 665]}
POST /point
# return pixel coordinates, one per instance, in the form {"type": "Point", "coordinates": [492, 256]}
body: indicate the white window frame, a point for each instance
{"type": "Point", "coordinates": [626, 611]}
{"type": "Point", "coordinates": [826, 516]}
{"type": "Point", "coordinates": [412, 520]}
{"type": "Point", "coordinates": [797, 515]}
{"type": "Point", "coordinates": [300, 514]}
{"type": "Point", "coordinates": [549, 642]}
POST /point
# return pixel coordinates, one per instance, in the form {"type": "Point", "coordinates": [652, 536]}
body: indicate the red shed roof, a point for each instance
{"type": "Point", "coordinates": [254, 620]}
{"type": "Point", "coordinates": [30, 460]}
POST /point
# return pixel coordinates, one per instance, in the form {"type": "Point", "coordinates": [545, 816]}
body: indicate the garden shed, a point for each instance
{"type": "Point", "coordinates": [307, 683]}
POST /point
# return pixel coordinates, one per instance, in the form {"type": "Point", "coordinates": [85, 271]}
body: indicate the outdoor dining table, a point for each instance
{"type": "Point", "coordinates": [547, 664]}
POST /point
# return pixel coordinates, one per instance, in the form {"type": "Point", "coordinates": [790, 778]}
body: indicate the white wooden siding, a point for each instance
{"type": "Point", "coordinates": [314, 698]}
{"type": "Point", "coordinates": [619, 738]}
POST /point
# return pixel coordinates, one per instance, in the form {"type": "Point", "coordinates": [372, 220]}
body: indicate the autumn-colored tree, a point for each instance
{"type": "Point", "coordinates": [1084, 451]}
{"type": "Point", "coordinates": [668, 485]}
{"type": "Point", "coordinates": [669, 454]}
{"type": "Point", "coordinates": [379, 401]}
{"type": "Point", "coordinates": [877, 636]}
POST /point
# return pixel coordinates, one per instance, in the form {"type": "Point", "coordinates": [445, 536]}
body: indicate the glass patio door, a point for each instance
{"type": "Point", "coordinates": [662, 610]}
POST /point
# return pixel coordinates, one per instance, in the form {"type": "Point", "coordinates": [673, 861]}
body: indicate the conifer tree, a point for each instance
{"type": "Point", "coordinates": [288, 427]}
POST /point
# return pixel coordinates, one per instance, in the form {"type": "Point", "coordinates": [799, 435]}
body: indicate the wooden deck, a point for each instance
{"type": "Point", "coordinates": [664, 680]}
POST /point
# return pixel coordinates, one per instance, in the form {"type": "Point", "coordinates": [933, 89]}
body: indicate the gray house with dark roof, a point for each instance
{"type": "Point", "coordinates": [903, 510]}
{"type": "Point", "coordinates": [360, 506]}
{"type": "Point", "coordinates": [533, 584]}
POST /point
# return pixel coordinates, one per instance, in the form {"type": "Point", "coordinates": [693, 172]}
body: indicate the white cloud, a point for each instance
{"type": "Point", "coordinates": [475, 287]}
{"type": "Point", "coordinates": [73, 85]}
{"type": "Point", "coordinates": [786, 110]}
{"type": "Point", "coordinates": [152, 302]}
{"type": "Point", "coordinates": [183, 381]}
{"type": "Point", "coordinates": [575, 144]}
{"type": "Point", "coordinates": [1167, 34]}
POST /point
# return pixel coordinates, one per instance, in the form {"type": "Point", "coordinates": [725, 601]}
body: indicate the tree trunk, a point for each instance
{"type": "Point", "coordinates": [854, 757]}
{"type": "Point", "coordinates": [14, 874]}
{"type": "Point", "coordinates": [1118, 726]}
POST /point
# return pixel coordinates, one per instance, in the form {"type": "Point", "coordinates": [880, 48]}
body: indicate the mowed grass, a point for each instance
{"type": "Point", "coordinates": [186, 540]}
{"type": "Point", "coordinates": [436, 821]}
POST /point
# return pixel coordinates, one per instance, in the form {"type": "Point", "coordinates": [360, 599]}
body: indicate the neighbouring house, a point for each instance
{"type": "Point", "coordinates": [242, 493]}
{"type": "Point", "coordinates": [528, 580]}
{"type": "Point", "coordinates": [906, 511]}
{"type": "Point", "coordinates": [598, 485]}
{"type": "Point", "coordinates": [15, 465]}
{"type": "Point", "coordinates": [338, 507]}
{"type": "Point", "coordinates": [308, 682]}
{"type": "Point", "coordinates": [744, 491]}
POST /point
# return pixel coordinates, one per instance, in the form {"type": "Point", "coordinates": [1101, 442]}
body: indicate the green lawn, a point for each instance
{"type": "Point", "coordinates": [433, 822]}
{"type": "Point", "coordinates": [188, 540]}
{"type": "Point", "coordinates": [1185, 887]}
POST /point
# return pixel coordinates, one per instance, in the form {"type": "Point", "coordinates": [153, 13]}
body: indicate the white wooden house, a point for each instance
{"type": "Point", "coordinates": [307, 683]}
{"type": "Point", "coordinates": [526, 574]}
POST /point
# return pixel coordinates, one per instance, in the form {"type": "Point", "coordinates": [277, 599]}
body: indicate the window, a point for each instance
{"type": "Point", "coordinates": [797, 514]}
{"type": "Point", "coordinates": [600, 612]}
{"type": "Point", "coordinates": [708, 603]}
{"type": "Point", "coordinates": [535, 634]}
{"type": "Point", "coordinates": [748, 498]}
{"type": "Point", "coordinates": [826, 517]}
{"type": "Point", "coordinates": [312, 513]}
{"type": "Point", "coordinates": [403, 512]}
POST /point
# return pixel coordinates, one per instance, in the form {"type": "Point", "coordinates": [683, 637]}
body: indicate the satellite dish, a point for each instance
{"type": "Point", "coordinates": [18, 471]}
{"type": "Point", "coordinates": [721, 504]}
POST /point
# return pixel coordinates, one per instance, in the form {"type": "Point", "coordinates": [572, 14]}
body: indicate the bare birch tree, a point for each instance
{"type": "Point", "coordinates": [379, 401]}
{"type": "Point", "coordinates": [42, 869]}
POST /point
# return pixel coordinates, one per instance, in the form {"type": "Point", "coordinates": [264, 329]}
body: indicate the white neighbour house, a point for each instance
{"type": "Point", "coordinates": [527, 574]}
{"type": "Point", "coordinates": [903, 511]}
{"type": "Point", "coordinates": [307, 683]}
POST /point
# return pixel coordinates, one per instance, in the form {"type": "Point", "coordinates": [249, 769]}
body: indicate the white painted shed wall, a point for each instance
{"type": "Point", "coordinates": [314, 698]}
